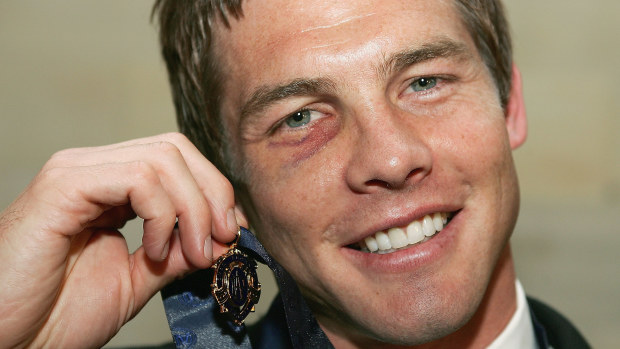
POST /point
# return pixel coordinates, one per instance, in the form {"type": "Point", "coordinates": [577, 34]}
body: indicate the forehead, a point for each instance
{"type": "Point", "coordinates": [279, 40]}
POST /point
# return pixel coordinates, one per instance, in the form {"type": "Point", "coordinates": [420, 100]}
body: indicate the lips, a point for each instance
{"type": "Point", "coordinates": [397, 238]}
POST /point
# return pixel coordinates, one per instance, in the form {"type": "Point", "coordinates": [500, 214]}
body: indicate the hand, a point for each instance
{"type": "Point", "coordinates": [68, 280]}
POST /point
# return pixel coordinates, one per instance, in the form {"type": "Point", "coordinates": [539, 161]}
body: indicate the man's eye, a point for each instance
{"type": "Point", "coordinates": [299, 118]}
{"type": "Point", "coordinates": [423, 84]}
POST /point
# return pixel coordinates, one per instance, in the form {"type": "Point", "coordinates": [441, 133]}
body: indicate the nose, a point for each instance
{"type": "Point", "coordinates": [389, 152]}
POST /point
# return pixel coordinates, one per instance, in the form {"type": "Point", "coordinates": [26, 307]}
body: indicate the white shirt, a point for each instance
{"type": "Point", "coordinates": [519, 333]}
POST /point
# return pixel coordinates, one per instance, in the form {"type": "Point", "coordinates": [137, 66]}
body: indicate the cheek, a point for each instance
{"type": "Point", "coordinates": [473, 137]}
{"type": "Point", "coordinates": [481, 146]}
{"type": "Point", "coordinates": [292, 175]}
{"type": "Point", "coordinates": [288, 195]}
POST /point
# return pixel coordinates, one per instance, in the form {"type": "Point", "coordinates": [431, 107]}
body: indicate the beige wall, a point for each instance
{"type": "Point", "coordinates": [79, 73]}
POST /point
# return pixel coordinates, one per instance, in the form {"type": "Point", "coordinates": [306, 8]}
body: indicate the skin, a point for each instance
{"type": "Point", "coordinates": [378, 155]}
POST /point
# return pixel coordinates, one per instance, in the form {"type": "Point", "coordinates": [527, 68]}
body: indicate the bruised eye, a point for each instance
{"type": "Point", "coordinates": [299, 118]}
{"type": "Point", "coordinates": [423, 84]}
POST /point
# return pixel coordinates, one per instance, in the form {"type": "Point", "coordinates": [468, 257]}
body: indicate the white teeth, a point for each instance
{"type": "Point", "coordinates": [427, 226]}
{"type": "Point", "coordinates": [438, 221]}
{"type": "Point", "coordinates": [414, 233]}
{"type": "Point", "coordinates": [383, 241]}
{"type": "Point", "coordinates": [397, 237]}
{"type": "Point", "coordinates": [371, 244]}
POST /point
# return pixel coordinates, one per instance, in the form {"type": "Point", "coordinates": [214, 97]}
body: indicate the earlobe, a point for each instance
{"type": "Point", "coordinates": [516, 119]}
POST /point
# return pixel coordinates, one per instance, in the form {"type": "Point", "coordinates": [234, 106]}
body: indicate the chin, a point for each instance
{"type": "Point", "coordinates": [400, 318]}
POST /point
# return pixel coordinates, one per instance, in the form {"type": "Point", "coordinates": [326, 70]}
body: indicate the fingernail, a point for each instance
{"type": "Point", "coordinates": [207, 249]}
{"type": "Point", "coordinates": [232, 221]}
{"type": "Point", "coordinates": [164, 253]}
{"type": "Point", "coordinates": [241, 219]}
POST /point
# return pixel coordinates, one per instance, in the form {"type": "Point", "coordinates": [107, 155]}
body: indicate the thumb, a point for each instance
{"type": "Point", "coordinates": [149, 276]}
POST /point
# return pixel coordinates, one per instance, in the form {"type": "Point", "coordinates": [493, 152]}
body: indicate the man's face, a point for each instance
{"type": "Point", "coordinates": [353, 118]}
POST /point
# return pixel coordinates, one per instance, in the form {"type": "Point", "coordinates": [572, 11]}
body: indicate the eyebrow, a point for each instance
{"type": "Point", "coordinates": [444, 48]}
{"type": "Point", "coordinates": [266, 95]}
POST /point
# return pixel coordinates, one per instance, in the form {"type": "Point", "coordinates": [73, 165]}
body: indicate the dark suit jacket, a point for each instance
{"type": "Point", "coordinates": [557, 331]}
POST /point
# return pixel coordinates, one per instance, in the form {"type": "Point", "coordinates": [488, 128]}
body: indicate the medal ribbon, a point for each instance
{"type": "Point", "coordinates": [195, 320]}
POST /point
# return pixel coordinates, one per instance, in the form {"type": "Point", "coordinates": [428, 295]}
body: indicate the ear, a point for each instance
{"type": "Point", "coordinates": [516, 120]}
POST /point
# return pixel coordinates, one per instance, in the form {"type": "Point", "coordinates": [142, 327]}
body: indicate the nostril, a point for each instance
{"type": "Point", "coordinates": [378, 183]}
{"type": "Point", "coordinates": [397, 183]}
{"type": "Point", "coordinates": [413, 173]}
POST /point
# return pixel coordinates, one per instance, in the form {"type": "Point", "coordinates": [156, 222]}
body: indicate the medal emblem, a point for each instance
{"type": "Point", "coordinates": [235, 284]}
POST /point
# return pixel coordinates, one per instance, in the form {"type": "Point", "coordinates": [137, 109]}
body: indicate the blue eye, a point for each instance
{"type": "Point", "coordinates": [299, 118]}
{"type": "Point", "coordinates": [423, 84]}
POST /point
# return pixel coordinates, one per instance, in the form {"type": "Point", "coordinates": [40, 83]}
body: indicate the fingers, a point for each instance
{"type": "Point", "coordinates": [215, 188]}
{"type": "Point", "coordinates": [202, 197]}
{"type": "Point", "coordinates": [109, 193]}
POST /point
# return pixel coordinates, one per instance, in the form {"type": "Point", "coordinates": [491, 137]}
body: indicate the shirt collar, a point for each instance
{"type": "Point", "coordinates": [519, 333]}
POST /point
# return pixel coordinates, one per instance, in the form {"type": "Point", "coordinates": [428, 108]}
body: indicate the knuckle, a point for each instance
{"type": "Point", "coordinates": [226, 185]}
{"type": "Point", "coordinates": [220, 191]}
{"type": "Point", "coordinates": [61, 158]}
{"type": "Point", "coordinates": [176, 137]}
{"type": "Point", "coordinates": [52, 174]}
{"type": "Point", "coordinates": [167, 149]}
{"type": "Point", "coordinates": [144, 173]}
{"type": "Point", "coordinates": [58, 183]}
{"type": "Point", "coordinates": [221, 182]}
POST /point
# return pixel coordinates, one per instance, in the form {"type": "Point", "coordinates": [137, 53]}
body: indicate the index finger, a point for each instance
{"type": "Point", "coordinates": [215, 187]}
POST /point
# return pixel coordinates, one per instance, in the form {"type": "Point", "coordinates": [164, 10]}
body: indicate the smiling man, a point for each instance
{"type": "Point", "coordinates": [365, 129]}
{"type": "Point", "coordinates": [369, 146]}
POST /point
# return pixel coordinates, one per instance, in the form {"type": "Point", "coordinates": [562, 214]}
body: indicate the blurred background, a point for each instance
{"type": "Point", "coordinates": [84, 73]}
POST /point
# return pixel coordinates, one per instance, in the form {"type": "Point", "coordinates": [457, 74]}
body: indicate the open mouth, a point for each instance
{"type": "Point", "coordinates": [398, 238]}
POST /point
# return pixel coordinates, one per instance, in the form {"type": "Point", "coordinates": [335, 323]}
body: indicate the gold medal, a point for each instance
{"type": "Point", "coordinates": [235, 284]}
